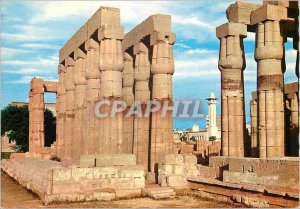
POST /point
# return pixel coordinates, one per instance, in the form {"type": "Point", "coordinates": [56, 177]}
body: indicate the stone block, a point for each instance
{"type": "Point", "coordinates": [61, 174]}
{"type": "Point", "coordinates": [167, 159]}
{"type": "Point", "coordinates": [176, 181]}
{"type": "Point", "coordinates": [189, 159]}
{"type": "Point", "coordinates": [82, 173]}
{"type": "Point", "coordinates": [178, 169]}
{"type": "Point", "coordinates": [139, 182]}
{"type": "Point", "coordinates": [128, 193]}
{"type": "Point", "coordinates": [132, 172]}
{"type": "Point", "coordinates": [125, 183]}
{"type": "Point", "coordinates": [111, 32]}
{"type": "Point", "coordinates": [231, 29]}
{"type": "Point", "coordinates": [268, 12]}
{"type": "Point", "coordinates": [165, 169]}
{"type": "Point", "coordinates": [231, 177]}
{"type": "Point", "coordinates": [100, 196]}
{"type": "Point", "coordinates": [87, 161]}
{"type": "Point", "coordinates": [115, 160]}
{"type": "Point", "coordinates": [240, 12]}
{"type": "Point", "coordinates": [106, 172]}
{"type": "Point", "coordinates": [60, 187]}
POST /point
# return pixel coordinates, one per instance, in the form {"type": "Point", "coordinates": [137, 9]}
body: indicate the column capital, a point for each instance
{"type": "Point", "coordinates": [91, 44]}
{"type": "Point", "coordinates": [37, 85]}
{"type": "Point", "coordinates": [268, 12]}
{"type": "Point", "coordinates": [111, 32]}
{"type": "Point", "coordinates": [157, 36]}
{"type": "Point", "coordinates": [61, 69]}
{"type": "Point", "coordinates": [140, 47]}
{"type": "Point", "coordinates": [79, 53]}
{"type": "Point", "coordinates": [69, 62]}
{"type": "Point", "coordinates": [231, 29]}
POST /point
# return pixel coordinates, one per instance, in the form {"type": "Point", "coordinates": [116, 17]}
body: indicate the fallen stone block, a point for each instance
{"type": "Point", "coordinates": [128, 193]}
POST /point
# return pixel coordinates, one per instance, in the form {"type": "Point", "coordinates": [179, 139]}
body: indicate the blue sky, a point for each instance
{"type": "Point", "coordinates": [32, 33]}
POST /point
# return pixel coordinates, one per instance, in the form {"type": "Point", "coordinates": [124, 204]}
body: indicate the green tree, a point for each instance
{"type": "Point", "coordinates": [15, 123]}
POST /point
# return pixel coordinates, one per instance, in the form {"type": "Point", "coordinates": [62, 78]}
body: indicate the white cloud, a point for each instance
{"type": "Point", "coordinates": [39, 46]}
{"type": "Point", "coordinates": [201, 51]}
{"type": "Point", "coordinates": [27, 79]}
{"type": "Point", "coordinates": [8, 53]}
{"type": "Point", "coordinates": [23, 71]}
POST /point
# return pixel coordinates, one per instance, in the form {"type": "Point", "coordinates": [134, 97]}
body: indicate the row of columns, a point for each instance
{"type": "Point", "coordinates": [267, 112]}
{"type": "Point", "coordinates": [98, 70]}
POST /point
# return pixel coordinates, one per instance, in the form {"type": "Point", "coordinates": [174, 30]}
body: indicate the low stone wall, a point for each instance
{"type": "Point", "coordinates": [274, 173]}
{"type": "Point", "coordinates": [54, 182]}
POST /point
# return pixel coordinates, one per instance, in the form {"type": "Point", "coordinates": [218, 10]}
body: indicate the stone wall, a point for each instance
{"type": "Point", "coordinates": [173, 169]}
{"type": "Point", "coordinates": [105, 180]}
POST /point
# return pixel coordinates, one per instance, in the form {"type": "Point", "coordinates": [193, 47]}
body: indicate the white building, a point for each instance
{"type": "Point", "coordinates": [212, 131]}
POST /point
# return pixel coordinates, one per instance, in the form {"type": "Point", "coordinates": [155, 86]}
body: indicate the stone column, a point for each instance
{"type": "Point", "coordinates": [292, 125]}
{"type": "Point", "coordinates": [80, 95]}
{"type": "Point", "coordinates": [92, 76]}
{"type": "Point", "coordinates": [61, 111]}
{"type": "Point", "coordinates": [111, 64]}
{"type": "Point", "coordinates": [70, 106]}
{"type": "Point", "coordinates": [162, 69]}
{"type": "Point", "coordinates": [231, 65]}
{"type": "Point", "coordinates": [253, 117]}
{"type": "Point", "coordinates": [128, 97]}
{"type": "Point", "coordinates": [142, 96]}
{"type": "Point", "coordinates": [38, 107]}
{"type": "Point", "coordinates": [269, 54]}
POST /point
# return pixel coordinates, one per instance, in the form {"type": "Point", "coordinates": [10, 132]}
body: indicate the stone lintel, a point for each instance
{"type": "Point", "coordinates": [291, 88]}
{"type": "Point", "coordinates": [50, 86]}
{"type": "Point", "coordinates": [79, 53]}
{"type": "Point", "coordinates": [162, 36]}
{"type": "Point", "coordinates": [139, 47]}
{"type": "Point", "coordinates": [111, 32]}
{"type": "Point", "coordinates": [287, 4]}
{"type": "Point", "coordinates": [268, 12]}
{"type": "Point", "coordinates": [231, 29]}
{"type": "Point", "coordinates": [240, 12]}
{"type": "Point", "coordinates": [157, 22]}
{"type": "Point", "coordinates": [103, 16]}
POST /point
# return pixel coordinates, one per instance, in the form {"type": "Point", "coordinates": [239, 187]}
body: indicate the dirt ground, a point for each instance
{"type": "Point", "coordinates": [15, 196]}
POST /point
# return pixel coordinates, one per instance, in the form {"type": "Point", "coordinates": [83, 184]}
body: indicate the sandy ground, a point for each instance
{"type": "Point", "coordinates": [15, 196]}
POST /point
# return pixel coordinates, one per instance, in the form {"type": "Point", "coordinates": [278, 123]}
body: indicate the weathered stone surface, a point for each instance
{"type": "Point", "coordinates": [240, 12]}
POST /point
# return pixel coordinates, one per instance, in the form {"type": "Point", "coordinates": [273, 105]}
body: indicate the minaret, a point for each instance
{"type": "Point", "coordinates": [212, 129]}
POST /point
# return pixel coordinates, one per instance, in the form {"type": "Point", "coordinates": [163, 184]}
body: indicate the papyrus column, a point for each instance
{"type": "Point", "coordinates": [269, 54]}
{"type": "Point", "coordinates": [128, 97]}
{"type": "Point", "coordinates": [61, 111]}
{"type": "Point", "coordinates": [253, 117]}
{"type": "Point", "coordinates": [80, 96]}
{"type": "Point", "coordinates": [38, 107]}
{"type": "Point", "coordinates": [292, 124]}
{"type": "Point", "coordinates": [111, 63]}
{"type": "Point", "coordinates": [92, 75]}
{"type": "Point", "coordinates": [141, 96]}
{"type": "Point", "coordinates": [162, 69]}
{"type": "Point", "coordinates": [70, 106]}
{"type": "Point", "coordinates": [231, 65]}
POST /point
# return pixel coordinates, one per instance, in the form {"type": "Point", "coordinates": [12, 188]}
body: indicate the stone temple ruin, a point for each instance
{"type": "Point", "coordinates": [111, 157]}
